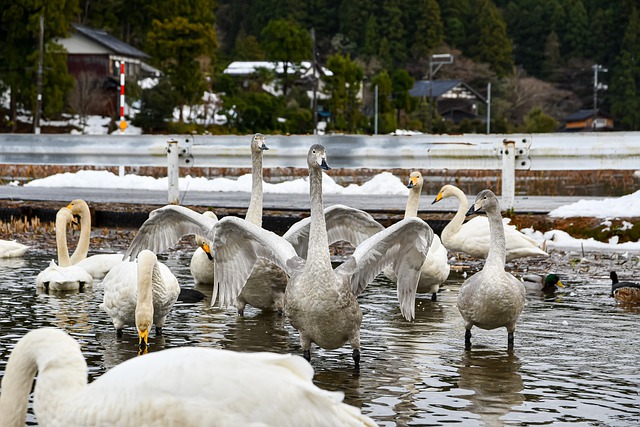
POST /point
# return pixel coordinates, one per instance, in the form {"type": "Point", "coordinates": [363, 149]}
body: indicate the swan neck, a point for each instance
{"type": "Point", "coordinates": [254, 211]}
{"type": "Point", "coordinates": [456, 222]}
{"type": "Point", "coordinates": [61, 369]}
{"type": "Point", "coordinates": [413, 202]}
{"type": "Point", "coordinates": [497, 245]}
{"type": "Point", "coordinates": [318, 251]}
{"type": "Point", "coordinates": [85, 235]}
{"type": "Point", "coordinates": [61, 243]}
{"type": "Point", "coordinates": [144, 302]}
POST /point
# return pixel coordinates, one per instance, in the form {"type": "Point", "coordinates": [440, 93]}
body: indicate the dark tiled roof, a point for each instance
{"type": "Point", "coordinates": [117, 46]}
{"type": "Point", "coordinates": [583, 115]}
{"type": "Point", "coordinates": [440, 87]}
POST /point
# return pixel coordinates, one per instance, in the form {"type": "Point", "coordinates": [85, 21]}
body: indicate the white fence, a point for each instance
{"type": "Point", "coordinates": [506, 152]}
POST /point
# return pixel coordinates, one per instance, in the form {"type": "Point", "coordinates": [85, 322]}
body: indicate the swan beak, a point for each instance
{"type": "Point", "coordinates": [560, 284]}
{"type": "Point", "coordinates": [471, 210]}
{"type": "Point", "coordinates": [438, 198]}
{"type": "Point", "coordinates": [207, 250]}
{"type": "Point", "coordinates": [324, 165]}
{"type": "Point", "coordinates": [264, 147]}
{"type": "Point", "coordinates": [143, 337]}
{"type": "Point", "coordinates": [412, 183]}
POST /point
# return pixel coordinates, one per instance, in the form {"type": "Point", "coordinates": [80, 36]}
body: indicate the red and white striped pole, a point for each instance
{"type": "Point", "coordinates": [123, 123]}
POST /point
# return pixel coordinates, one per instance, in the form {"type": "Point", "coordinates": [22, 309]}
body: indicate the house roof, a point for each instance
{"type": "Point", "coordinates": [583, 115]}
{"type": "Point", "coordinates": [439, 88]}
{"type": "Point", "coordinates": [110, 42]}
{"type": "Point", "coordinates": [243, 68]}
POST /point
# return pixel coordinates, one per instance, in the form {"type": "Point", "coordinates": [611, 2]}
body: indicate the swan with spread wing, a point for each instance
{"type": "Point", "coordinates": [321, 302]}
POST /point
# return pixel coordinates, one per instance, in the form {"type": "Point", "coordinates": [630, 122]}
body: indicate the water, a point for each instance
{"type": "Point", "coordinates": [575, 361]}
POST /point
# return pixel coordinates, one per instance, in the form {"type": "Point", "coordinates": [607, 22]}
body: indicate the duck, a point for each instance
{"type": "Point", "coordinates": [167, 225]}
{"type": "Point", "coordinates": [473, 238]}
{"type": "Point", "coordinates": [140, 293]}
{"type": "Point", "coordinates": [547, 284]}
{"type": "Point", "coordinates": [96, 265]}
{"type": "Point", "coordinates": [12, 249]}
{"type": "Point", "coordinates": [491, 298]}
{"type": "Point", "coordinates": [435, 270]}
{"type": "Point", "coordinates": [320, 301]}
{"type": "Point", "coordinates": [186, 386]}
{"type": "Point", "coordinates": [624, 291]}
{"type": "Point", "coordinates": [63, 276]}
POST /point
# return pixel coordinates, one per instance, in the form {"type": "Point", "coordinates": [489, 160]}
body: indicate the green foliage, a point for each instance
{"type": "Point", "coordinates": [492, 46]}
{"type": "Point", "coordinates": [536, 121]}
{"type": "Point", "coordinates": [626, 77]}
{"type": "Point", "coordinates": [156, 109]}
{"type": "Point", "coordinates": [344, 86]}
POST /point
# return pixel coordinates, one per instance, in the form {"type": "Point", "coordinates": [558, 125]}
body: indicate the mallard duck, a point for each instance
{"type": "Point", "coordinates": [624, 291]}
{"type": "Point", "coordinates": [547, 284]}
{"type": "Point", "coordinates": [491, 298]}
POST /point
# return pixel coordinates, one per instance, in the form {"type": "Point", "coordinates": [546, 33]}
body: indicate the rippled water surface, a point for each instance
{"type": "Point", "coordinates": [576, 357]}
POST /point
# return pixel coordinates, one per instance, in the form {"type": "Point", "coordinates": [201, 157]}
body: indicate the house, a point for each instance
{"type": "Point", "coordinates": [587, 120]}
{"type": "Point", "coordinates": [456, 101]}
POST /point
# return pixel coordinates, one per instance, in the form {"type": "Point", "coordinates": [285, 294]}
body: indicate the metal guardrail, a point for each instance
{"type": "Point", "coordinates": [506, 152]}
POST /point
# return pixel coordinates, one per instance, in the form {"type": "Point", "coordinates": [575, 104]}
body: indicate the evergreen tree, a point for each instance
{"type": "Point", "coordinates": [392, 28]}
{"type": "Point", "coordinates": [425, 31]}
{"type": "Point", "coordinates": [492, 44]}
{"type": "Point", "coordinates": [625, 86]}
{"type": "Point", "coordinates": [387, 121]}
{"type": "Point", "coordinates": [403, 102]}
{"type": "Point", "coordinates": [354, 15]}
{"type": "Point", "coordinates": [456, 16]}
{"type": "Point", "coordinates": [343, 87]}
{"type": "Point", "coordinates": [577, 31]}
{"type": "Point", "coordinates": [371, 41]}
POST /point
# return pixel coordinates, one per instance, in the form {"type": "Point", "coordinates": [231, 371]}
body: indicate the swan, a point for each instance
{"type": "Point", "coordinates": [186, 386]}
{"type": "Point", "coordinates": [624, 291]}
{"type": "Point", "coordinates": [63, 276]}
{"type": "Point", "coordinates": [546, 284]}
{"type": "Point", "coordinates": [140, 293]}
{"type": "Point", "coordinates": [96, 265]}
{"type": "Point", "coordinates": [201, 265]}
{"type": "Point", "coordinates": [472, 237]}
{"type": "Point", "coordinates": [12, 249]}
{"type": "Point", "coordinates": [320, 302]}
{"type": "Point", "coordinates": [168, 224]}
{"type": "Point", "coordinates": [491, 298]}
{"type": "Point", "coordinates": [435, 269]}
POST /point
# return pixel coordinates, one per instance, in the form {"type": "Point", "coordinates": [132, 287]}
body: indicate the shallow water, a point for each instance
{"type": "Point", "coordinates": [575, 361]}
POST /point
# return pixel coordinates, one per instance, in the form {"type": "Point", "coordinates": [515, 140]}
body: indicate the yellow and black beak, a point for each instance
{"type": "Point", "coordinates": [143, 336]}
{"type": "Point", "coordinates": [207, 250]}
{"type": "Point", "coordinates": [413, 181]}
{"type": "Point", "coordinates": [438, 198]}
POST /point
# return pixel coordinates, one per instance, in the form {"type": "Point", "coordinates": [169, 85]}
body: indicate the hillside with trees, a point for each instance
{"type": "Point", "coordinates": [539, 57]}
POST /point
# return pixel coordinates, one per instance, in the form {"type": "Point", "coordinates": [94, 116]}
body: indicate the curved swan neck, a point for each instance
{"type": "Point", "coordinates": [85, 235]}
{"type": "Point", "coordinates": [497, 245]}
{"type": "Point", "coordinates": [62, 372]}
{"type": "Point", "coordinates": [318, 241]}
{"type": "Point", "coordinates": [254, 211]}
{"type": "Point", "coordinates": [413, 202]}
{"type": "Point", "coordinates": [61, 241]}
{"type": "Point", "coordinates": [456, 222]}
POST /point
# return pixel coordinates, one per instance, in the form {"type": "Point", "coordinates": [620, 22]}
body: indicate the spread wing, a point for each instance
{"type": "Point", "coordinates": [236, 247]}
{"type": "Point", "coordinates": [405, 246]}
{"type": "Point", "coordinates": [166, 226]}
{"type": "Point", "coordinates": [343, 223]}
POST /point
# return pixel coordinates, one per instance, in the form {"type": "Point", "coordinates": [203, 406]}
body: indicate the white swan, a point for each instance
{"type": "Point", "coordinates": [435, 269]}
{"type": "Point", "coordinates": [12, 249]}
{"type": "Point", "coordinates": [319, 301]}
{"type": "Point", "coordinates": [96, 265]}
{"type": "Point", "coordinates": [63, 276]}
{"type": "Point", "coordinates": [140, 293]}
{"type": "Point", "coordinates": [167, 225]}
{"type": "Point", "coordinates": [491, 298]}
{"type": "Point", "coordinates": [472, 237]}
{"type": "Point", "coordinates": [184, 386]}
{"type": "Point", "coordinates": [201, 265]}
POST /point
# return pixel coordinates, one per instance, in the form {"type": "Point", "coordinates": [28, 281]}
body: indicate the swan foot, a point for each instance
{"type": "Point", "coordinates": [510, 341]}
{"type": "Point", "coordinates": [307, 355]}
{"type": "Point", "coordinates": [158, 331]}
{"type": "Point", "coordinates": [467, 339]}
{"type": "Point", "coordinates": [434, 296]}
{"type": "Point", "coordinates": [119, 333]}
{"type": "Point", "coordinates": [356, 358]}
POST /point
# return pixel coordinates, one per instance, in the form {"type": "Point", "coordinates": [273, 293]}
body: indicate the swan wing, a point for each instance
{"type": "Point", "coordinates": [405, 245]}
{"type": "Point", "coordinates": [343, 223]}
{"type": "Point", "coordinates": [166, 226]}
{"type": "Point", "coordinates": [237, 245]}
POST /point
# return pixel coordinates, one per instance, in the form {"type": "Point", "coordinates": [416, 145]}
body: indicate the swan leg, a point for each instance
{"type": "Point", "coordinates": [119, 333]}
{"type": "Point", "coordinates": [307, 355]}
{"type": "Point", "coordinates": [356, 358]}
{"type": "Point", "coordinates": [467, 339]}
{"type": "Point", "coordinates": [434, 296]}
{"type": "Point", "coordinates": [510, 340]}
{"type": "Point", "coordinates": [240, 305]}
{"type": "Point", "coordinates": [158, 331]}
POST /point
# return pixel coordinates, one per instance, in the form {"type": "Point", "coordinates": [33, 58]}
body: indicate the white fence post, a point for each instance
{"type": "Point", "coordinates": [508, 174]}
{"type": "Point", "coordinates": [173, 172]}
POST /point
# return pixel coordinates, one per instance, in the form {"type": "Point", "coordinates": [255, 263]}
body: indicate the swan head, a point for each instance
{"type": "Point", "coordinates": [64, 217]}
{"type": "Point", "coordinates": [415, 180]}
{"type": "Point", "coordinates": [485, 201]}
{"type": "Point", "coordinates": [445, 191]}
{"type": "Point", "coordinates": [317, 157]}
{"type": "Point", "coordinates": [205, 245]}
{"type": "Point", "coordinates": [258, 142]}
{"type": "Point", "coordinates": [78, 206]}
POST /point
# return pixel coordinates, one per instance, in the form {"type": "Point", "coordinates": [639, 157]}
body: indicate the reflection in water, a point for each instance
{"type": "Point", "coordinates": [412, 373]}
{"type": "Point", "coordinates": [494, 378]}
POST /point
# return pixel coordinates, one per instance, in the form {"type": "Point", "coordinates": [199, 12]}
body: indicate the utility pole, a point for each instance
{"type": "Point", "coordinates": [36, 117]}
{"type": "Point", "coordinates": [597, 86]}
{"type": "Point", "coordinates": [314, 64]}
{"type": "Point", "coordinates": [437, 59]}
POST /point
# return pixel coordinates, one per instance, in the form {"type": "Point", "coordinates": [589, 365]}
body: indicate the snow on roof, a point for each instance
{"type": "Point", "coordinates": [243, 68]}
